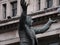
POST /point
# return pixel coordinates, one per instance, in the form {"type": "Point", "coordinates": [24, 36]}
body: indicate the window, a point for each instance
{"type": "Point", "coordinates": [39, 4]}
{"type": "Point", "coordinates": [14, 8]}
{"type": "Point", "coordinates": [4, 11]}
{"type": "Point", "coordinates": [49, 3]}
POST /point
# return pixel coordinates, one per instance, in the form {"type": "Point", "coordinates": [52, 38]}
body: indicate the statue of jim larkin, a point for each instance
{"type": "Point", "coordinates": [26, 33]}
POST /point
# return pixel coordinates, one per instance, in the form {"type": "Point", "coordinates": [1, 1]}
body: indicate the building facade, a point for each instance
{"type": "Point", "coordinates": [40, 11]}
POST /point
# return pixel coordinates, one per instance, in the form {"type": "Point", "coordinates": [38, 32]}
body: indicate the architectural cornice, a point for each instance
{"type": "Point", "coordinates": [13, 39]}
{"type": "Point", "coordinates": [36, 14]}
{"type": "Point", "coordinates": [48, 12]}
{"type": "Point", "coordinates": [44, 11]}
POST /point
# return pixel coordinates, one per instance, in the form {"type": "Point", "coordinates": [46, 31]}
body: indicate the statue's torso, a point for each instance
{"type": "Point", "coordinates": [26, 39]}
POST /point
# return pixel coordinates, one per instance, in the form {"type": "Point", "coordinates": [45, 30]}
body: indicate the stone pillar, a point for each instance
{"type": "Point", "coordinates": [43, 4]}
{"type": "Point", "coordinates": [9, 9]}
{"type": "Point", "coordinates": [19, 9]}
{"type": "Point", "coordinates": [55, 3]}
{"type": "Point", "coordinates": [1, 11]}
{"type": "Point", "coordinates": [34, 6]}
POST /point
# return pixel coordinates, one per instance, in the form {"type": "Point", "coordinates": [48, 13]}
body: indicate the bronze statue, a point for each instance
{"type": "Point", "coordinates": [26, 33]}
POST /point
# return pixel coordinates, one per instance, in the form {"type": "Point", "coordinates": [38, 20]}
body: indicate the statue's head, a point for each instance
{"type": "Point", "coordinates": [29, 20]}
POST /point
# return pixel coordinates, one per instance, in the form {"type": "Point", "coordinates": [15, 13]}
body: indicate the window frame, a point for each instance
{"type": "Point", "coordinates": [49, 3]}
{"type": "Point", "coordinates": [39, 3]}
{"type": "Point", "coordinates": [14, 8]}
{"type": "Point", "coordinates": [4, 11]}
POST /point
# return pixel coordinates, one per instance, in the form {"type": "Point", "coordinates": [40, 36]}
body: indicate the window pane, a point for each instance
{"type": "Point", "coordinates": [4, 11]}
{"type": "Point", "coordinates": [49, 3]}
{"type": "Point", "coordinates": [14, 12]}
{"type": "Point", "coordinates": [39, 4]}
{"type": "Point", "coordinates": [15, 5]}
{"type": "Point", "coordinates": [14, 8]}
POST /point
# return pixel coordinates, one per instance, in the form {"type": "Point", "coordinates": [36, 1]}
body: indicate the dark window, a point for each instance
{"type": "Point", "coordinates": [4, 11]}
{"type": "Point", "coordinates": [14, 8]}
{"type": "Point", "coordinates": [39, 4]}
{"type": "Point", "coordinates": [49, 3]}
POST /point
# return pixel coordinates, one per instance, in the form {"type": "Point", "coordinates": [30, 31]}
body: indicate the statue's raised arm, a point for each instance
{"type": "Point", "coordinates": [23, 15]}
{"type": "Point", "coordinates": [45, 27]}
{"type": "Point", "coordinates": [24, 5]}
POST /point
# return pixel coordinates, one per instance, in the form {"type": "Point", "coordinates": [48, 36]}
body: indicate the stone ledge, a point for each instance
{"type": "Point", "coordinates": [16, 39]}
{"type": "Point", "coordinates": [36, 14]}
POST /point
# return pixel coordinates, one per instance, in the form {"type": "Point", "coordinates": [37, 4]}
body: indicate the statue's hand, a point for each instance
{"type": "Point", "coordinates": [24, 5]}
{"type": "Point", "coordinates": [52, 21]}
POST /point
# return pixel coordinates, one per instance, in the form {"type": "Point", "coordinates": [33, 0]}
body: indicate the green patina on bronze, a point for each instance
{"type": "Point", "coordinates": [26, 33]}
